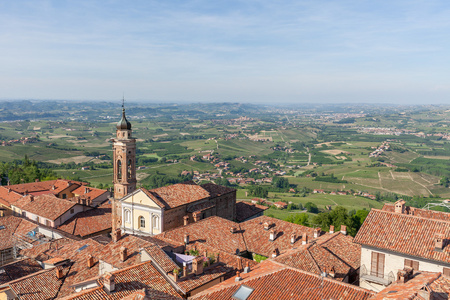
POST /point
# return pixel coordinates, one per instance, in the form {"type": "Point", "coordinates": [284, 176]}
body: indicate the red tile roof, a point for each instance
{"type": "Point", "coordinates": [245, 210]}
{"type": "Point", "coordinates": [130, 280]}
{"type": "Point", "coordinates": [177, 194]}
{"type": "Point", "coordinates": [14, 226]}
{"type": "Point", "coordinates": [257, 238]}
{"type": "Point", "coordinates": [90, 192]}
{"type": "Point", "coordinates": [272, 281]}
{"type": "Point", "coordinates": [418, 212]}
{"type": "Point", "coordinates": [161, 258]}
{"type": "Point", "coordinates": [18, 269]}
{"type": "Point", "coordinates": [192, 282]}
{"type": "Point", "coordinates": [405, 234]}
{"type": "Point", "coordinates": [46, 206]}
{"type": "Point", "coordinates": [8, 197]}
{"type": "Point", "coordinates": [51, 186]}
{"type": "Point", "coordinates": [89, 222]}
{"type": "Point", "coordinates": [410, 289]}
{"type": "Point", "coordinates": [317, 257]}
{"type": "Point", "coordinates": [216, 190]}
{"type": "Point", "coordinates": [31, 287]}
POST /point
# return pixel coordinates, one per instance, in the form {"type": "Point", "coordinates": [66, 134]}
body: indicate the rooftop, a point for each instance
{"type": "Point", "coordinates": [47, 205]}
{"type": "Point", "coordinates": [14, 227]}
{"type": "Point", "coordinates": [245, 210]}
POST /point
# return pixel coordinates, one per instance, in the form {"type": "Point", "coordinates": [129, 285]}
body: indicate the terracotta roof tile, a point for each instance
{"type": "Point", "coordinates": [272, 281]}
{"type": "Point", "coordinates": [409, 289]}
{"type": "Point", "coordinates": [161, 258]}
{"type": "Point", "coordinates": [177, 194]}
{"type": "Point", "coordinates": [47, 206]}
{"type": "Point", "coordinates": [216, 190]}
{"type": "Point", "coordinates": [89, 222]}
{"type": "Point", "coordinates": [245, 210]}
{"type": "Point", "coordinates": [405, 234]}
{"type": "Point", "coordinates": [50, 186]}
{"type": "Point", "coordinates": [8, 197]}
{"type": "Point", "coordinates": [418, 212]}
{"type": "Point", "coordinates": [18, 269]}
{"type": "Point", "coordinates": [192, 282]}
{"type": "Point", "coordinates": [130, 280]}
{"type": "Point", "coordinates": [90, 192]}
{"type": "Point", "coordinates": [13, 226]}
{"type": "Point", "coordinates": [31, 287]}
{"type": "Point", "coordinates": [342, 246]}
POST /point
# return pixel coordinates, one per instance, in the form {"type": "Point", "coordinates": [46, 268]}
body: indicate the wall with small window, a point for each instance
{"type": "Point", "coordinates": [384, 264]}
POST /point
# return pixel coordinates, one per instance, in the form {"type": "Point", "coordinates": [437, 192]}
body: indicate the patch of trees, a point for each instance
{"type": "Point", "coordinates": [258, 191]}
{"type": "Point", "coordinates": [329, 178]}
{"type": "Point", "coordinates": [158, 180]}
{"type": "Point", "coordinates": [23, 171]}
{"type": "Point", "coordinates": [340, 216]}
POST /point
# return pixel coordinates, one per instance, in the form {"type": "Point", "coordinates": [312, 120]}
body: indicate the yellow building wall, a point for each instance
{"type": "Point", "coordinates": [136, 224]}
{"type": "Point", "coordinates": [141, 198]}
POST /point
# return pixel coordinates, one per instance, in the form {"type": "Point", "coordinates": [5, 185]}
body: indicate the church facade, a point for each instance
{"type": "Point", "coordinates": [149, 212]}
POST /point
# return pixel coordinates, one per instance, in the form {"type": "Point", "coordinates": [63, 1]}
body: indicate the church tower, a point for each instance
{"type": "Point", "coordinates": [124, 158]}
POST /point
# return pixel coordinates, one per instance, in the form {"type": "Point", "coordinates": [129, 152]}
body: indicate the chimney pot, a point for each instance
{"type": "Point", "coordinates": [238, 276]}
{"type": "Point", "coordinates": [123, 253]}
{"type": "Point", "coordinates": [59, 273]}
{"type": "Point", "coordinates": [197, 265]}
{"type": "Point", "coordinates": [196, 216]}
{"type": "Point", "coordinates": [439, 242]}
{"type": "Point", "coordinates": [186, 238]}
{"type": "Point", "coordinates": [233, 229]}
{"type": "Point", "coordinates": [247, 268]}
{"type": "Point", "coordinates": [343, 229]}
{"type": "Point", "coordinates": [90, 261]}
{"type": "Point", "coordinates": [266, 225]}
{"type": "Point", "coordinates": [116, 235]}
{"type": "Point", "coordinates": [175, 276]}
{"type": "Point", "coordinates": [293, 238]}
{"type": "Point", "coordinates": [317, 232]}
{"type": "Point", "coordinates": [275, 253]}
{"type": "Point", "coordinates": [272, 235]}
{"type": "Point", "coordinates": [186, 220]}
{"type": "Point", "coordinates": [109, 282]}
{"type": "Point", "coordinates": [400, 206]}
{"type": "Point", "coordinates": [184, 271]}
{"type": "Point", "coordinates": [331, 228]}
{"type": "Point", "coordinates": [304, 238]}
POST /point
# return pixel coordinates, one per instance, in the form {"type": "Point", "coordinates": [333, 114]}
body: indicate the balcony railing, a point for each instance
{"type": "Point", "coordinates": [376, 278]}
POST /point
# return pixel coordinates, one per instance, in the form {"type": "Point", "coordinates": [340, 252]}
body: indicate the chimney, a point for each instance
{"type": "Point", "coordinates": [31, 198]}
{"type": "Point", "coordinates": [247, 268]}
{"type": "Point", "coordinates": [233, 229]}
{"type": "Point", "coordinates": [400, 206]}
{"type": "Point", "coordinates": [116, 235]}
{"type": "Point", "coordinates": [331, 228]}
{"type": "Point", "coordinates": [123, 253]}
{"type": "Point", "coordinates": [293, 238]}
{"type": "Point", "coordinates": [186, 238]}
{"type": "Point", "coordinates": [184, 271]}
{"type": "Point", "coordinates": [266, 225]}
{"type": "Point", "coordinates": [405, 274]}
{"type": "Point", "coordinates": [86, 190]}
{"type": "Point", "coordinates": [59, 273]}
{"type": "Point", "coordinates": [272, 235]}
{"type": "Point", "coordinates": [343, 229]}
{"type": "Point", "coordinates": [317, 232]}
{"type": "Point", "coordinates": [109, 282]}
{"type": "Point", "coordinates": [175, 275]}
{"type": "Point", "coordinates": [186, 220]}
{"type": "Point", "coordinates": [304, 238]}
{"type": "Point", "coordinates": [425, 293]}
{"type": "Point", "coordinates": [90, 261]}
{"type": "Point", "coordinates": [332, 272]}
{"type": "Point", "coordinates": [275, 253]}
{"type": "Point", "coordinates": [238, 276]}
{"type": "Point", "coordinates": [36, 180]}
{"type": "Point", "coordinates": [439, 242]}
{"type": "Point", "coordinates": [196, 217]}
{"type": "Point", "coordinates": [239, 263]}
{"type": "Point", "coordinates": [197, 265]}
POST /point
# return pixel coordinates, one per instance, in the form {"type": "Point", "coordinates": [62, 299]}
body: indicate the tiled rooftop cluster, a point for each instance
{"type": "Point", "coordinates": [46, 205]}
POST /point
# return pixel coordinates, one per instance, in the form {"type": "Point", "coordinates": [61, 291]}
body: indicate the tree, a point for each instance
{"type": "Point", "coordinates": [311, 207]}
{"type": "Point", "coordinates": [259, 191]}
{"type": "Point", "coordinates": [300, 219]}
{"type": "Point", "coordinates": [280, 182]}
{"type": "Point", "coordinates": [337, 217]}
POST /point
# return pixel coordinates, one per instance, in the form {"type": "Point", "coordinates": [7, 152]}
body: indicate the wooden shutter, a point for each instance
{"type": "Point", "coordinates": [415, 265]}
{"type": "Point", "coordinates": [374, 264]}
{"type": "Point", "coordinates": [380, 265]}
{"type": "Point", "coordinates": [446, 272]}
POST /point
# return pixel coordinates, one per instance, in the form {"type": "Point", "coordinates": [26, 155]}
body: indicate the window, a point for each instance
{"type": "Point", "coordinates": [412, 264]}
{"type": "Point", "coordinates": [141, 222]}
{"type": "Point", "coordinates": [127, 215]}
{"type": "Point", "coordinates": [377, 266]}
{"type": "Point", "coordinates": [119, 169]}
{"type": "Point", "coordinates": [72, 211]}
{"type": "Point", "coordinates": [64, 196]}
{"type": "Point", "coordinates": [446, 272]}
{"type": "Point", "coordinates": [129, 169]}
{"type": "Point", "coordinates": [156, 222]}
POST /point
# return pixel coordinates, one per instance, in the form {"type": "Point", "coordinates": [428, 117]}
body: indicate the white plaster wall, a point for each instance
{"type": "Point", "coordinates": [396, 261]}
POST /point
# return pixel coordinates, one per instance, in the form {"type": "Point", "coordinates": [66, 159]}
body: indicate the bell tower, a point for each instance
{"type": "Point", "coordinates": [124, 159]}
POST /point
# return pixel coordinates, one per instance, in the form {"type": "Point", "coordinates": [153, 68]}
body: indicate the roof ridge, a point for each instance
{"type": "Point", "coordinates": [312, 256]}
{"type": "Point", "coordinates": [412, 216]}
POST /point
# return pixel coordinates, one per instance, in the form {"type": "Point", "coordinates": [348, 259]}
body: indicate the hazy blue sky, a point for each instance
{"type": "Point", "coordinates": [248, 51]}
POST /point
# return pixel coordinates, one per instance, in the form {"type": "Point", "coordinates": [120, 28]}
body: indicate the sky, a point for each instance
{"type": "Point", "coordinates": [256, 51]}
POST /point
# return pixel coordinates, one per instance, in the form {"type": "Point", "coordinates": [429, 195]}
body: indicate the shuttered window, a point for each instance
{"type": "Point", "coordinates": [377, 266]}
{"type": "Point", "coordinates": [412, 264]}
{"type": "Point", "coordinates": [446, 272]}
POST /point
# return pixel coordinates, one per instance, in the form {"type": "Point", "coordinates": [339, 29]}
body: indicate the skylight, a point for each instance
{"type": "Point", "coordinates": [242, 293]}
{"type": "Point", "coordinates": [82, 248]}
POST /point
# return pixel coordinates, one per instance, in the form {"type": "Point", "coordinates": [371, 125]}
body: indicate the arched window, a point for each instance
{"type": "Point", "coordinates": [129, 168]}
{"type": "Point", "coordinates": [141, 222]}
{"type": "Point", "coordinates": [119, 169]}
{"type": "Point", "coordinates": [127, 215]}
{"type": "Point", "coordinates": [156, 222]}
